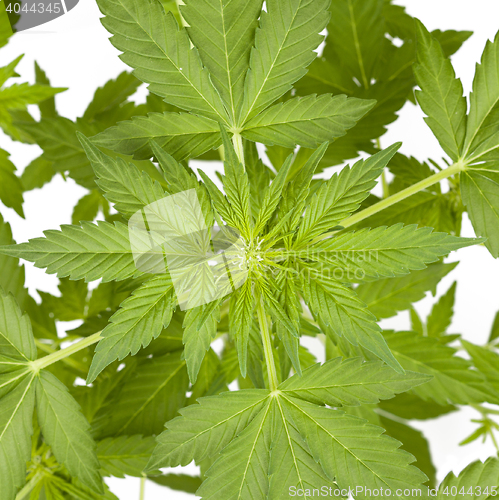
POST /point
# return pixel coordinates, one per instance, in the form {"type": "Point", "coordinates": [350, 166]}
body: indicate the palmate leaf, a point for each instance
{"type": "Point", "coordinates": [388, 296]}
{"type": "Point", "coordinates": [160, 52]}
{"type": "Point", "coordinates": [140, 319]}
{"type": "Point", "coordinates": [89, 251]}
{"type": "Point", "coordinates": [66, 431]}
{"type": "Point", "coordinates": [342, 194]}
{"type": "Point", "coordinates": [307, 121]}
{"type": "Point", "coordinates": [223, 31]}
{"type": "Point", "coordinates": [385, 252]}
{"type": "Point", "coordinates": [453, 379]}
{"type": "Point", "coordinates": [344, 314]}
{"type": "Point", "coordinates": [481, 478]}
{"type": "Point", "coordinates": [151, 396]}
{"type": "Point", "coordinates": [123, 184]}
{"type": "Point", "coordinates": [183, 135]}
{"type": "Point", "coordinates": [441, 97]}
{"type": "Point", "coordinates": [479, 189]}
{"type": "Point", "coordinates": [125, 455]}
{"type": "Point", "coordinates": [486, 361]}
{"type": "Point", "coordinates": [284, 46]}
{"type": "Point", "coordinates": [269, 441]}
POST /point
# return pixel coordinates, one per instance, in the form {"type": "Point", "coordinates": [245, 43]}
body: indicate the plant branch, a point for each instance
{"type": "Point", "coordinates": [142, 488]}
{"type": "Point", "coordinates": [237, 140]}
{"type": "Point", "coordinates": [29, 486]}
{"type": "Point", "coordinates": [267, 345]}
{"type": "Point", "coordinates": [68, 361]}
{"type": "Point", "coordinates": [396, 198]}
{"type": "Point", "coordinates": [41, 363]}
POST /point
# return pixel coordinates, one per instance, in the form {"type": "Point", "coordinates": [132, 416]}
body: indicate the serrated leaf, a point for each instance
{"type": "Point", "coordinates": [441, 97]}
{"type": "Point", "coordinates": [342, 194]}
{"type": "Point", "coordinates": [88, 207]}
{"type": "Point", "coordinates": [350, 383]}
{"type": "Point", "coordinates": [66, 431]}
{"type": "Point", "coordinates": [16, 428]}
{"type": "Point", "coordinates": [123, 184]}
{"type": "Point", "coordinates": [160, 52]}
{"type": "Point", "coordinates": [494, 332]}
{"type": "Point", "coordinates": [140, 319]}
{"type": "Point", "coordinates": [223, 32]}
{"type": "Point", "coordinates": [151, 396]}
{"type": "Point", "coordinates": [386, 297]}
{"type": "Point", "coordinates": [182, 135]}
{"type": "Point", "coordinates": [441, 314]}
{"type": "Point", "coordinates": [124, 455]}
{"type": "Point", "coordinates": [487, 362]}
{"type": "Point", "coordinates": [178, 482]}
{"type": "Point", "coordinates": [47, 107]}
{"type": "Point", "coordinates": [453, 379]}
{"type": "Point", "coordinates": [481, 197]}
{"type": "Point", "coordinates": [385, 252]}
{"type": "Point", "coordinates": [89, 251]}
{"type": "Point", "coordinates": [306, 121]}
{"type": "Point", "coordinates": [38, 173]}
{"type": "Point", "coordinates": [483, 478]}
{"type": "Point", "coordinates": [11, 189]}
{"type": "Point", "coordinates": [284, 46]}
{"type": "Point", "coordinates": [411, 407]}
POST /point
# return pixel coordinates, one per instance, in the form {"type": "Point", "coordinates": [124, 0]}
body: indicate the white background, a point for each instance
{"type": "Point", "coordinates": [75, 53]}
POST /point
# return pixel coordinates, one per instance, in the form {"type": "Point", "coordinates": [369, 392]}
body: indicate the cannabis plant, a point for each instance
{"type": "Point", "coordinates": [254, 259]}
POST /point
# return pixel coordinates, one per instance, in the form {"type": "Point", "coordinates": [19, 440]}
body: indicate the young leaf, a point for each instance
{"type": "Point", "coordinates": [140, 319]}
{"type": "Point", "coordinates": [350, 383]}
{"type": "Point", "coordinates": [66, 431]}
{"type": "Point", "coordinates": [284, 46]}
{"type": "Point", "coordinates": [453, 379]}
{"type": "Point", "coordinates": [160, 52]}
{"type": "Point", "coordinates": [223, 31]}
{"type": "Point", "coordinates": [89, 251]}
{"type": "Point", "coordinates": [307, 121]}
{"type": "Point", "coordinates": [124, 455]}
{"type": "Point", "coordinates": [441, 97]}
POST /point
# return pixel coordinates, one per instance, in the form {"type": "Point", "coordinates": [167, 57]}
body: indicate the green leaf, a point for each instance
{"type": "Point", "coordinates": [306, 121]}
{"type": "Point", "coordinates": [38, 173]}
{"type": "Point", "coordinates": [160, 54]}
{"type": "Point", "coordinates": [350, 383]}
{"type": "Point", "coordinates": [112, 94]}
{"type": "Point", "coordinates": [356, 34]}
{"type": "Point", "coordinates": [182, 135]}
{"type": "Point", "coordinates": [240, 321]}
{"type": "Point", "coordinates": [342, 194]}
{"type": "Point", "coordinates": [441, 315]}
{"type": "Point", "coordinates": [11, 189]}
{"type": "Point", "coordinates": [204, 429]}
{"type": "Point", "coordinates": [482, 135]}
{"type": "Point", "coordinates": [386, 297]}
{"type": "Point", "coordinates": [483, 478]}
{"type": "Point", "coordinates": [411, 407]}
{"type": "Point", "coordinates": [486, 361]}
{"type": "Point", "coordinates": [200, 329]}
{"type": "Point", "coordinates": [453, 379]}
{"type": "Point", "coordinates": [16, 335]}
{"type": "Point", "coordinates": [89, 251]}
{"type": "Point", "coordinates": [284, 46]}
{"type": "Point", "coordinates": [223, 31]}
{"type": "Point", "coordinates": [20, 95]}
{"type": "Point", "coordinates": [414, 442]}
{"type": "Point", "coordinates": [124, 455]}
{"type": "Point", "coordinates": [16, 428]}
{"type": "Point", "coordinates": [47, 107]}
{"type": "Point", "coordinates": [140, 319]}
{"type": "Point", "coordinates": [122, 183]}
{"type": "Point", "coordinates": [71, 304]}
{"type": "Point", "coordinates": [494, 332]}
{"type": "Point", "coordinates": [481, 197]}
{"type": "Point", "coordinates": [344, 314]}
{"type": "Point", "coordinates": [385, 252]}
{"type": "Point", "coordinates": [150, 397]}
{"type": "Point", "coordinates": [88, 207]}
{"type": "Point", "coordinates": [178, 482]}
{"type": "Point", "coordinates": [441, 97]}
{"type": "Point", "coordinates": [66, 431]}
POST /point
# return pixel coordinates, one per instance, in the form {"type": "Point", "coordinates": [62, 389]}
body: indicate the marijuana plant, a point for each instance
{"type": "Point", "coordinates": [275, 255]}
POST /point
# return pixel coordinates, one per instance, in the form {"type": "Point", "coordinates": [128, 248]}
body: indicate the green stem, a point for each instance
{"type": "Point", "coordinates": [68, 361]}
{"type": "Point", "coordinates": [396, 198]}
{"type": "Point", "coordinates": [237, 140]}
{"type": "Point", "coordinates": [42, 363]}
{"type": "Point", "coordinates": [28, 488]}
{"type": "Point", "coordinates": [267, 345]}
{"type": "Point", "coordinates": [142, 488]}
